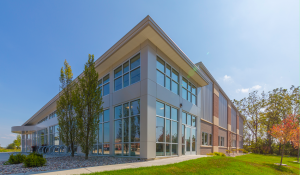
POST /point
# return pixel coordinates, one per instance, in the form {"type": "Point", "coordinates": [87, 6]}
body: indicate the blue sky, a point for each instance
{"type": "Point", "coordinates": [247, 45]}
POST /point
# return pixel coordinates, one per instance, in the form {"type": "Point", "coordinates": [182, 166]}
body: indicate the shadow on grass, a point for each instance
{"type": "Point", "coordinates": [296, 163]}
{"type": "Point", "coordinates": [279, 168]}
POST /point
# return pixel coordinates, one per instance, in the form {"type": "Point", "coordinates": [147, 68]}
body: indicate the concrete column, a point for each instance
{"type": "Point", "coordinates": [228, 124]}
{"type": "Point", "coordinates": [237, 131]}
{"type": "Point", "coordinates": [215, 120]}
{"type": "Point", "coordinates": [148, 101]}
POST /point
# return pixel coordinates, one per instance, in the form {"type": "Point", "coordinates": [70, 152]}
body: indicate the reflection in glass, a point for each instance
{"type": "Point", "coordinates": [135, 76]}
{"type": "Point", "coordinates": [126, 149]}
{"type": "Point", "coordinates": [160, 109]}
{"type": "Point", "coordinates": [126, 67]}
{"type": "Point", "coordinates": [174, 149]}
{"type": "Point", "coordinates": [135, 62]}
{"type": "Point", "coordinates": [168, 83]}
{"type": "Point", "coordinates": [168, 111]}
{"type": "Point", "coordinates": [174, 87]}
{"type": "Point", "coordinates": [135, 149]}
{"type": "Point", "coordinates": [168, 70]}
{"type": "Point", "coordinates": [106, 132]}
{"type": "Point", "coordinates": [160, 151]}
{"type": "Point", "coordinates": [160, 64]}
{"type": "Point", "coordinates": [125, 109]}
{"type": "Point", "coordinates": [175, 75]}
{"type": "Point", "coordinates": [118, 83]}
{"type": "Point", "coordinates": [174, 132]}
{"type": "Point", "coordinates": [126, 129]}
{"type": "Point", "coordinates": [135, 129]}
{"type": "Point", "coordinates": [135, 107]}
{"type": "Point", "coordinates": [160, 135]}
{"type": "Point", "coordinates": [174, 114]}
{"type": "Point", "coordinates": [160, 78]}
{"type": "Point", "coordinates": [168, 130]}
{"type": "Point", "coordinates": [106, 79]}
{"type": "Point", "coordinates": [168, 149]}
{"type": "Point", "coordinates": [126, 80]}
{"type": "Point", "coordinates": [106, 115]}
{"type": "Point", "coordinates": [118, 131]}
{"type": "Point", "coordinates": [118, 149]}
{"type": "Point", "coordinates": [118, 112]}
{"type": "Point", "coordinates": [106, 89]}
{"type": "Point", "coordinates": [118, 71]}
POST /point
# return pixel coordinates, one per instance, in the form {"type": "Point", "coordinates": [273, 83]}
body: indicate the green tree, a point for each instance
{"type": "Point", "coordinates": [17, 142]}
{"type": "Point", "coordinates": [11, 146]}
{"type": "Point", "coordinates": [65, 108]}
{"type": "Point", "coordinates": [88, 106]}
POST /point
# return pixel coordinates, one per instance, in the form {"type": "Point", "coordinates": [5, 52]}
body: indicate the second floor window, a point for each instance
{"type": "Point", "coordinates": [189, 91]}
{"type": "Point", "coordinates": [128, 73]}
{"type": "Point", "coordinates": [166, 76]}
{"type": "Point", "coordinates": [104, 85]}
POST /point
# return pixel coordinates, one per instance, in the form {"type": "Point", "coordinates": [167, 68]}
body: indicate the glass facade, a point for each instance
{"type": "Point", "coordinates": [188, 133]}
{"type": "Point", "coordinates": [189, 91]}
{"type": "Point", "coordinates": [166, 76]}
{"type": "Point", "coordinates": [102, 146]}
{"type": "Point", "coordinates": [104, 85]}
{"type": "Point", "coordinates": [128, 73]}
{"type": "Point", "coordinates": [127, 129]}
{"type": "Point", "coordinates": [166, 130]}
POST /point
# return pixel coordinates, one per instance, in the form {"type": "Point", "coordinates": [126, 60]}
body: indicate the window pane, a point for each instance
{"type": "Point", "coordinates": [168, 130]}
{"type": "Point", "coordinates": [190, 87]}
{"type": "Point", "coordinates": [160, 64]}
{"type": "Point", "coordinates": [106, 89]}
{"type": "Point", "coordinates": [160, 109]}
{"type": "Point", "coordinates": [174, 132]}
{"type": "Point", "coordinates": [174, 87]}
{"type": "Point", "coordinates": [135, 76]}
{"type": "Point", "coordinates": [135, 107]}
{"type": "Point", "coordinates": [101, 117]}
{"type": "Point", "coordinates": [193, 89]}
{"type": "Point", "coordinates": [193, 139]}
{"type": "Point", "coordinates": [106, 115]}
{"type": "Point", "coordinates": [184, 82]}
{"type": "Point", "coordinates": [174, 114]}
{"type": "Point", "coordinates": [189, 120]}
{"type": "Point", "coordinates": [100, 82]}
{"type": "Point", "coordinates": [193, 99]}
{"type": "Point", "coordinates": [126, 80]}
{"type": "Point", "coordinates": [175, 75]}
{"type": "Point", "coordinates": [183, 149]}
{"type": "Point", "coordinates": [135, 149]}
{"type": "Point", "coordinates": [194, 121]}
{"type": "Point", "coordinates": [126, 110]}
{"type": "Point", "coordinates": [183, 118]}
{"type": "Point", "coordinates": [160, 128]}
{"type": "Point", "coordinates": [118, 71]}
{"type": "Point", "coordinates": [126, 67]}
{"type": "Point", "coordinates": [160, 150]}
{"type": "Point", "coordinates": [210, 139]}
{"type": "Point", "coordinates": [106, 149]}
{"type": "Point", "coordinates": [183, 133]}
{"type": "Point", "coordinates": [126, 149]}
{"type": "Point", "coordinates": [101, 91]}
{"type": "Point", "coordinates": [100, 133]}
{"type": "Point", "coordinates": [189, 97]}
{"type": "Point", "coordinates": [135, 62]}
{"type": "Point", "coordinates": [118, 131]}
{"type": "Point", "coordinates": [203, 138]}
{"type": "Point", "coordinates": [118, 84]}
{"type": "Point", "coordinates": [106, 132]}
{"type": "Point", "coordinates": [168, 149]}
{"type": "Point", "coordinates": [135, 129]}
{"type": "Point", "coordinates": [184, 94]}
{"type": "Point", "coordinates": [126, 129]}
{"type": "Point", "coordinates": [168, 83]}
{"type": "Point", "coordinates": [168, 70]}
{"type": "Point", "coordinates": [168, 111]}
{"type": "Point", "coordinates": [118, 149]}
{"type": "Point", "coordinates": [174, 149]}
{"type": "Point", "coordinates": [106, 79]}
{"type": "Point", "coordinates": [160, 78]}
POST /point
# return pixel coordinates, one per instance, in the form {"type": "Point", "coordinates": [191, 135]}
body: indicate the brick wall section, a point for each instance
{"type": "Point", "coordinates": [216, 106]}
{"type": "Point", "coordinates": [228, 122]}
{"type": "Point", "coordinates": [205, 127]}
{"type": "Point", "coordinates": [205, 150]}
{"type": "Point", "coordinates": [222, 150]}
{"type": "Point", "coordinates": [215, 135]}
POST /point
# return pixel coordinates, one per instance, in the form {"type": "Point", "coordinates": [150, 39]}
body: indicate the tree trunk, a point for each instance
{"type": "Point", "coordinates": [279, 148]}
{"type": "Point", "coordinates": [72, 149]}
{"type": "Point", "coordinates": [282, 152]}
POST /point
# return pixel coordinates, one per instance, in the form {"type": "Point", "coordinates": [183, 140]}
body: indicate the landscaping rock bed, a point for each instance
{"type": "Point", "coordinates": [68, 162]}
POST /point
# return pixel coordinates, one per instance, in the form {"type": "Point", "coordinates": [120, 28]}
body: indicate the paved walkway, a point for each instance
{"type": "Point", "coordinates": [157, 162]}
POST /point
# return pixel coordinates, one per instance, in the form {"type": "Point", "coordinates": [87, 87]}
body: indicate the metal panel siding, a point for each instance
{"type": "Point", "coordinates": [241, 126]}
{"type": "Point", "coordinates": [222, 111]}
{"type": "Point", "coordinates": [207, 102]}
{"type": "Point", "coordinates": [233, 120]}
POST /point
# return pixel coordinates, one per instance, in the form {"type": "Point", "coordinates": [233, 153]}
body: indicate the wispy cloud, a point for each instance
{"type": "Point", "coordinates": [247, 90]}
{"type": "Point", "coordinates": [227, 78]}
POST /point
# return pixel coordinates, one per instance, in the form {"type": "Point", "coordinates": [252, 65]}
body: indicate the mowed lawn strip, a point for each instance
{"type": "Point", "coordinates": [246, 164]}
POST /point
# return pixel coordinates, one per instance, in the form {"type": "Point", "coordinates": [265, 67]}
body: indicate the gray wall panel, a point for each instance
{"type": "Point", "coordinates": [222, 111]}
{"type": "Point", "coordinates": [233, 120]}
{"type": "Point", "coordinates": [207, 102]}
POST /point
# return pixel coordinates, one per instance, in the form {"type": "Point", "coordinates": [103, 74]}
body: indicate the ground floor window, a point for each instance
{"type": "Point", "coordinates": [206, 139]}
{"type": "Point", "coordinates": [102, 146]}
{"type": "Point", "coordinates": [188, 134]}
{"type": "Point", "coordinates": [221, 141]}
{"type": "Point", "coordinates": [127, 129]}
{"type": "Point", "coordinates": [166, 130]}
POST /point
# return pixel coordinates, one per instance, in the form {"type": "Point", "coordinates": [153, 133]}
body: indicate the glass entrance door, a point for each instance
{"type": "Point", "coordinates": [190, 140]}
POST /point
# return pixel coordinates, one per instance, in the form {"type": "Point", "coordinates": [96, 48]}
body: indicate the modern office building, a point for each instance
{"type": "Point", "coordinates": [156, 103]}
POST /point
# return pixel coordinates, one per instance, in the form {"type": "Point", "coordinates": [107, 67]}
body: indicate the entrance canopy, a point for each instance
{"type": "Point", "coordinates": [26, 129]}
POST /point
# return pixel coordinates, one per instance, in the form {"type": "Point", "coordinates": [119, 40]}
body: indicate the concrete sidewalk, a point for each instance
{"type": "Point", "coordinates": [157, 162]}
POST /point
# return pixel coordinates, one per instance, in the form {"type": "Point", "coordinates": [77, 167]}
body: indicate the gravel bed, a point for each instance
{"type": "Point", "coordinates": [68, 162]}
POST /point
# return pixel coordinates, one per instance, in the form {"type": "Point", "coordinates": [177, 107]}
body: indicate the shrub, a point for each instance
{"type": "Point", "coordinates": [37, 154]}
{"type": "Point", "coordinates": [216, 154]}
{"type": "Point", "coordinates": [17, 158]}
{"type": "Point", "coordinates": [228, 151]}
{"type": "Point", "coordinates": [34, 160]}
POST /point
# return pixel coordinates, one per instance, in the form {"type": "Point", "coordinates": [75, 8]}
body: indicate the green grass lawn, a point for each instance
{"type": "Point", "coordinates": [9, 150]}
{"type": "Point", "coordinates": [247, 164]}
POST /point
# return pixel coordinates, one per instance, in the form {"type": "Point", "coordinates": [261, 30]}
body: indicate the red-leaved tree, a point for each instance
{"type": "Point", "coordinates": [284, 132]}
{"type": "Point", "coordinates": [296, 134]}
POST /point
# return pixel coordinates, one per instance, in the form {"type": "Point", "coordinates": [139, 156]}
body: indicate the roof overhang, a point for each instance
{"type": "Point", "coordinates": [26, 129]}
{"type": "Point", "coordinates": [147, 29]}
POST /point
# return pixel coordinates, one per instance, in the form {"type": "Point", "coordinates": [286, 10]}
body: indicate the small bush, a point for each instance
{"type": "Point", "coordinates": [34, 160]}
{"type": "Point", "coordinates": [216, 154]}
{"type": "Point", "coordinates": [17, 158]}
{"type": "Point", "coordinates": [228, 151]}
{"type": "Point", "coordinates": [35, 153]}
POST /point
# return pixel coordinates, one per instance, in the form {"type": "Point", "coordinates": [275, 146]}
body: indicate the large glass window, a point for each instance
{"type": "Point", "coordinates": [102, 145]}
{"type": "Point", "coordinates": [103, 83]}
{"type": "Point", "coordinates": [52, 115]}
{"type": "Point", "coordinates": [166, 76]}
{"type": "Point", "coordinates": [189, 91]}
{"type": "Point", "coordinates": [221, 141]}
{"type": "Point", "coordinates": [127, 129]}
{"type": "Point", "coordinates": [189, 133]}
{"type": "Point", "coordinates": [166, 130]}
{"type": "Point", "coordinates": [128, 73]}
